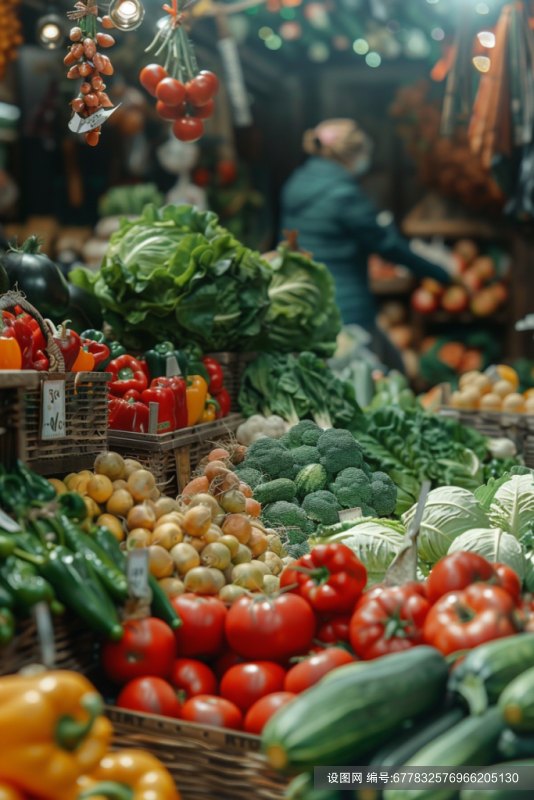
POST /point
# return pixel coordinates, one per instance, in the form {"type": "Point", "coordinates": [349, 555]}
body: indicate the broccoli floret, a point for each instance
{"type": "Point", "coordinates": [285, 440]}
{"type": "Point", "coordinates": [285, 515]}
{"type": "Point", "coordinates": [352, 488]}
{"type": "Point", "coordinates": [311, 436]}
{"type": "Point", "coordinates": [304, 455]}
{"type": "Point", "coordinates": [383, 494]}
{"type": "Point", "coordinates": [297, 432]}
{"type": "Point", "coordinates": [339, 450]}
{"type": "Point", "coordinates": [280, 489]}
{"type": "Point", "coordinates": [322, 507]}
{"type": "Point", "coordinates": [294, 536]}
{"type": "Point", "coordinates": [367, 469]}
{"type": "Point", "coordinates": [367, 511]}
{"type": "Point", "coordinates": [252, 477]}
{"type": "Point", "coordinates": [298, 550]}
{"type": "Point", "coordinates": [290, 474]}
{"type": "Point", "coordinates": [269, 457]}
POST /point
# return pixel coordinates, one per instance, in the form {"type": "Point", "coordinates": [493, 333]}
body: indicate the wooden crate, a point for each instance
{"type": "Point", "coordinates": [206, 763]}
{"type": "Point", "coordinates": [74, 645]}
{"type": "Point", "coordinates": [173, 456]}
{"type": "Point", "coordinates": [233, 366]}
{"type": "Point", "coordinates": [13, 388]}
{"type": "Point", "coordinates": [86, 406]}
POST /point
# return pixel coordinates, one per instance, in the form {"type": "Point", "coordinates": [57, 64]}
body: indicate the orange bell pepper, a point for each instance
{"type": "Point", "coordinates": [196, 393]}
{"type": "Point", "coordinates": [85, 361]}
{"type": "Point", "coordinates": [10, 354]}
{"type": "Point", "coordinates": [9, 793]}
{"type": "Point", "coordinates": [128, 775]}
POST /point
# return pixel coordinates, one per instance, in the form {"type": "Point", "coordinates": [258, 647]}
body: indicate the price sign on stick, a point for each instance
{"type": "Point", "coordinates": [349, 514]}
{"type": "Point", "coordinates": [404, 566]}
{"type": "Point", "coordinates": [137, 569]}
{"type": "Point", "coordinates": [80, 125]}
{"type": "Point", "coordinates": [53, 418]}
{"type": "Point", "coordinates": [45, 632]}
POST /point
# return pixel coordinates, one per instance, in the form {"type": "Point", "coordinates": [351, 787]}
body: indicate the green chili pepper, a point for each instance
{"type": "Point", "coordinates": [110, 546]}
{"type": "Point", "coordinates": [27, 585]}
{"type": "Point", "coordinates": [85, 567]}
{"type": "Point", "coordinates": [38, 488]}
{"type": "Point", "coordinates": [13, 495]}
{"type": "Point", "coordinates": [72, 506]}
{"type": "Point", "coordinates": [7, 625]}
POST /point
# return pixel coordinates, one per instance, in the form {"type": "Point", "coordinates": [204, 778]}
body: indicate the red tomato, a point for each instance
{"type": "Point", "coordinates": [188, 129]}
{"type": "Point", "coordinates": [508, 579]}
{"type": "Point", "coordinates": [222, 664]}
{"type": "Point", "coordinates": [262, 710]}
{"type": "Point", "coordinates": [202, 88]}
{"type": "Point", "coordinates": [226, 171]}
{"type": "Point", "coordinates": [150, 77]}
{"type": "Point", "coordinates": [388, 620]}
{"type": "Point", "coordinates": [334, 630]}
{"type": "Point", "coordinates": [170, 113]}
{"type": "Point", "coordinates": [202, 630]}
{"type": "Point", "coordinates": [464, 619]}
{"type": "Point", "coordinates": [209, 710]}
{"type": "Point", "coordinates": [151, 696]}
{"type": "Point", "coordinates": [424, 301]}
{"type": "Point", "coordinates": [274, 629]}
{"type": "Point", "coordinates": [204, 112]}
{"type": "Point", "coordinates": [171, 92]}
{"type": "Point", "coordinates": [455, 299]}
{"type": "Point", "coordinates": [192, 677]}
{"type": "Point", "coordinates": [148, 647]}
{"type": "Point", "coordinates": [244, 684]}
{"type": "Point", "coordinates": [457, 571]}
{"type": "Point", "coordinates": [331, 578]}
{"type": "Point", "coordinates": [308, 672]}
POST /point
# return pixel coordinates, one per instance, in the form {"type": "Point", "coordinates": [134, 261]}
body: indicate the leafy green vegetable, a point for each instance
{"type": "Point", "coordinates": [493, 545]}
{"type": "Point", "coordinates": [129, 199]}
{"type": "Point", "coordinates": [512, 508]}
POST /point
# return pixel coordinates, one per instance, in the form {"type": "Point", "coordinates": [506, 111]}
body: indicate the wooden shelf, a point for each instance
{"type": "Point", "coordinates": [440, 216]}
{"type": "Point", "coordinates": [441, 317]}
{"type": "Point", "coordinates": [393, 286]}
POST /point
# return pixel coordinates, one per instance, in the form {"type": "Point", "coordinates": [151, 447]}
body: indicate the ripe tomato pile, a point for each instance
{"type": "Point", "coordinates": [185, 104]}
{"type": "Point", "coordinates": [235, 667]}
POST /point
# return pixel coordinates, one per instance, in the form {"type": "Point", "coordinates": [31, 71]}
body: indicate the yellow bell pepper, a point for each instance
{"type": "Point", "coordinates": [9, 793]}
{"type": "Point", "coordinates": [51, 732]}
{"type": "Point", "coordinates": [210, 409]}
{"type": "Point", "coordinates": [128, 775]}
{"type": "Point", "coordinates": [196, 393]}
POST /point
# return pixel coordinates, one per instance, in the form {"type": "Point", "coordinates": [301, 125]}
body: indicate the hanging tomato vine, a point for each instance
{"type": "Point", "coordinates": [86, 62]}
{"type": "Point", "coordinates": [184, 94]}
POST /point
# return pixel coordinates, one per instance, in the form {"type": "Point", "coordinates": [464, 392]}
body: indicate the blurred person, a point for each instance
{"type": "Point", "coordinates": [340, 226]}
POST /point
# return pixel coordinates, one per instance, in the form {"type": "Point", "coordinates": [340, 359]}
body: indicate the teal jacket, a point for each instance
{"type": "Point", "coordinates": [338, 224]}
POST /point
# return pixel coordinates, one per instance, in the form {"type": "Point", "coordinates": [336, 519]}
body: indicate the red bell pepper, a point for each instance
{"type": "Point", "coordinates": [225, 404]}
{"type": "Point", "coordinates": [216, 375]}
{"type": "Point", "coordinates": [331, 578]}
{"type": "Point", "coordinates": [144, 367]}
{"type": "Point", "coordinates": [178, 387]}
{"type": "Point", "coordinates": [164, 397]}
{"type": "Point", "coordinates": [99, 350]}
{"type": "Point", "coordinates": [68, 342]}
{"type": "Point", "coordinates": [39, 341]}
{"type": "Point", "coordinates": [126, 374]}
{"type": "Point", "coordinates": [128, 413]}
{"type": "Point", "coordinates": [17, 328]}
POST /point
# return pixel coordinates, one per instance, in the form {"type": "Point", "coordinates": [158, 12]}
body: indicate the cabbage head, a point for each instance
{"type": "Point", "coordinates": [495, 546]}
{"type": "Point", "coordinates": [449, 512]}
{"type": "Point", "coordinates": [375, 543]}
{"type": "Point", "coordinates": [513, 505]}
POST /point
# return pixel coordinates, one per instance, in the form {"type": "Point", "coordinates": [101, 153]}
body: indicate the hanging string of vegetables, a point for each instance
{"type": "Point", "coordinates": [184, 94]}
{"type": "Point", "coordinates": [86, 62]}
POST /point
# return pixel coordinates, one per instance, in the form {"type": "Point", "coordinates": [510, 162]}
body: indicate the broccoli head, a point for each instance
{"type": "Point", "coordinates": [311, 436]}
{"type": "Point", "coordinates": [295, 543]}
{"type": "Point", "coordinates": [367, 469]}
{"type": "Point", "coordinates": [286, 515]}
{"type": "Point", "coordinates": [322, 507]}
{"type": "Point", "coordinates": [383, 494]}
{"type": "Point", "coordinates": [339, 450]}
{"type": "Point", "coordinates": [352, 488]}
{"type": "Point", "coordinates": [252, 477]}
{"type": "Point", "coordinates": [269, 457]}
{"type": "Point", "coordinates": [285, 440]}
{"type": "Point", "coordinates": [297, 432]}
{"type": "Point", "coordinates": [304, 455]}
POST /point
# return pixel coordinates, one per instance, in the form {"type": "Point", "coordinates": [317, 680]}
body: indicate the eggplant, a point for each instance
{"type": "Point", "coordinates": [38, 277]}
{"type": "Point", "coordinates": [84, 310]}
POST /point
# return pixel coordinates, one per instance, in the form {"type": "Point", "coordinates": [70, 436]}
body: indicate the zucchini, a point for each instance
{"type": "Point", "coordinates": [488, 669]}
{"type": "Point", "coordinates": [412, 740]}
{"type": "Point", "coordinates": [513, 745]}
{"type": "Point", "coordinates": [517, 703]}
{"type": "Point", "coordinates": [471, 743]}
{"type": "Point", "coordinates": [301, 788]}
{"type": "Point", "coordinates": [499, 794]}
{"type": "Point", "coordinates": [340, 720]}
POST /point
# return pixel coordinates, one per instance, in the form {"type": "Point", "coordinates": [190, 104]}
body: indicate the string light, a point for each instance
{"type": "Point", "coordinates": [290, 31]}
{"type": "Point", "coordinates": [274, 42]}
{"type": "Point", "coordinates": [486, 39]}
{"type": "Point", "coordinates": [373, 60]}
{"type": "Point", "coordinates": [438, 34]}
{"type": "Point", "coordinates": [49, 31]}
{"type": "Point", "coordinates": [361, 47]}
{"type": "Point", "coordinates": [127, 15]}
{"type": "Point", "coordinates": [482, 63]}
{"type": "Point", "coordinates": [265, 33]}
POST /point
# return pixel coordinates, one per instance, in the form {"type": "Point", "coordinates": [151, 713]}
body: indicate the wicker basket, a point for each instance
{"type": "Point", "coordinates": [233, 366]}
{"type": "Point", "coordinates": [14, 386]}
{"type": "Point", "coordinates": [172, 457]}
{"type": "Point", "coordinates": [495, 424]}
{"type": "Point", "coordinates": [206, 763]}
{"type": "Point", "coordinates": [74, 646]}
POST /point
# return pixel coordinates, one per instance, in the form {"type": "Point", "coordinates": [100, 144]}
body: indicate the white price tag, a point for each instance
{"type": "Point", "coordinates": [172, 367]}
{"type": "Point", "coordinates": [137, 567]}
{"type": "Point", "coordinates": [53, 421]}
{"type": "Point", "coordinates": [80, 125]}
{"type": "Point", "coordinates": [349, 513]}
{"type": "Point", "coordinates": [493, 374]}
{"type": "Point", "coordinates": [45, 632]}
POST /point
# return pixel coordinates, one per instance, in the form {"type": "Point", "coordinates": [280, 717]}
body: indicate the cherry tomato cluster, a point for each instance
{"type": "Point", "coordinates": [86, 62]}
{"type": "Point", "coordinates": [185, 104]}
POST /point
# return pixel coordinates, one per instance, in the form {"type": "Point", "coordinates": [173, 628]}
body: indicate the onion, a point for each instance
{"type": "Point", "coordinates": [219, 520]}
{"type": "Point", "coordinates": [184, 557]}
{"type": "Point", "coordinates": [196, 543]}
{"type": "Point", "coordinates": [161, 563]}
{"type": "Point", "coordinates": [273, 561]}
{"type": "Point", "coordinates": [110, 464]}
{"type": "Point", "coordinates": [257, 543]}
{"type": "Point", "coordinates": [165, 505]}
{"type": "Point", "coordinates": [215, 555]}
{"type": "Point", "coordinates": [172, 586]}
{"type": "Point", "coordinates": [262, 566]}
{"type": "Point", "coordinates": [214, 469]}
{"type": "Point", "coordinates": [130, 465]}
{"type": "Point", "coordinates": [141, 516]}
{"type": "Point", "coordinates": [275, 543]}
{"type": "Point", "coordinates": [167, 535]}
{"type": "Point", "coordinates": [231, 543]}
{"type": "Point", "coordinates": [287, 560]}
{"type": "Point", "coordinates": [174, 516]}
{"type": "Point", "coordinates": [229, 481]}
{"type": "Point", "coordinates": [228, 572]}
{"type": "Point", "coordinates": [197, 521]}
{"type": "Point", "coordinates": [204, 580]}
{"type": "Point", "coordinates": [239, 526]}
{"type": "Point", "coordinates": [212, 535]}
{"type": "Point", "coordinates": [208, 501]}
{"type": "Point", "coordinates": [243, 555]}
{"type": "Point", "coordinates": [233, 501]}
{"type": "Point", "coordinates": [249, 576]}
{"type": "Point", "coordinates": [231, 593]}
{"type": "Point", "coordinates": [140, 484]}
{"type": "Point", "coordinates": [139, 537]}
{"type": "Point", "coordinates": [270, 584]}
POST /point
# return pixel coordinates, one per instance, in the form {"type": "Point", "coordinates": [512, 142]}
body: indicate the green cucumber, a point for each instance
{"type": "Point", "coordinates": [517, 703]}
{"type": "Point", "coordinates": [488, 669]}
{"type": "Point", "coordinates": [499, 794]}
{"type": "Point", "coordinates": [513, 745]}
{"type": "Point", "coordinates": [301, 788]}
{"type": "Point", "coordinates": [340, 720]}
{"type": "Point", "coordinates": [398, 752]}
{"type": "Point", "coordinates": [472, 742]}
